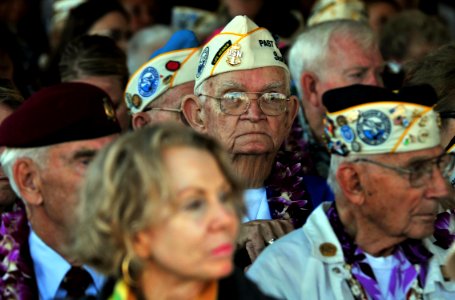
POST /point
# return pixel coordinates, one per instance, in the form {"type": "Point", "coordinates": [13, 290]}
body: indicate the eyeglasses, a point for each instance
{"type": "Point", "coordinates": [237, 103]}
{"type": "Point", "coordinates": [176, 110]}
{"type": "Point", "coordinates": [420, 172]}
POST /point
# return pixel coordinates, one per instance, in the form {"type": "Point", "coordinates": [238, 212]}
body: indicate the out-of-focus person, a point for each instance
{"type": "Point", "coordinates": [155, 92]}
{"type": "Point", "coordinates": [325, 56]}
{"type": "Point", "coordinates": [50, 140]}
{"type": "Point", "coordinates": [102, 17]}
{"type": "Point", "coordinates": [144, 42]}
{"type": "Point", "coordinates": [264, 13]}
{"type": "Point", "coordinates": [330, 10]}
{"type": "Point", "coordinates": [97, 60]}
{"type": "Point", "coordinates": [388, 173]}
{"type": "Point", "coordinates": [169, 234]}
{"type": "Point", "coordinates": [10, 100]}
{"type": "Point", "coordinates": [410, 35]}
{"type": "Point", "coordinates": [380, 11]}
{"type": "Point", "coordinates": [144, 13]}
{"type": "Point", "coordinates": [438, 70]}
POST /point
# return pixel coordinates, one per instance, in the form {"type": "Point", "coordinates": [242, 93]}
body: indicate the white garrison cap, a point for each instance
{"type": "Point", "coordinates": [241, 45]}
{"type": "Point", "coordinates": [170, 66]}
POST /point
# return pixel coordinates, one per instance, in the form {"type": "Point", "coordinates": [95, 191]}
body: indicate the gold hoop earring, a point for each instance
{"type": "Point", "coordinates": [126, 262]}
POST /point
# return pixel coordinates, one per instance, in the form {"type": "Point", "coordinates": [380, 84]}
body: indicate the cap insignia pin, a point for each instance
{"type": "Point", "coordinates": [234, 55]}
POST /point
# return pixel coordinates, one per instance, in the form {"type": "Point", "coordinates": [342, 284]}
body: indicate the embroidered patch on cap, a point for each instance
{"type": "Point", "coordinates": [388, 123]}
{"type": "Point", "coordinates": [148, 82]}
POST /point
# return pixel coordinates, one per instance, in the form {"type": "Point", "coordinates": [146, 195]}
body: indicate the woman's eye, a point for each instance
{"type": "Point", "coordinates": [194, 204]}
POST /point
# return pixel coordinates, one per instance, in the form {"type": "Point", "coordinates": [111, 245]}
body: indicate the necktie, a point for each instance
{"type": "Point", "coordinates": [76, 281]}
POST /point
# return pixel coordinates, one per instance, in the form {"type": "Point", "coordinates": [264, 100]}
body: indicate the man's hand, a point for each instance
{"type": "Point", "coordinates": [256, 235]}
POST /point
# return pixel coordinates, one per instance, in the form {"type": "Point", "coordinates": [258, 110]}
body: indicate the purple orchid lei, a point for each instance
{"type": "Point", "coordinates": [444, 229]}
{"type": "Point", "coordinates": [286, 191]}
{"type": "Point", "coordinates": [16, 279]}
{"type": "Point", "coordinates": [410, 274]}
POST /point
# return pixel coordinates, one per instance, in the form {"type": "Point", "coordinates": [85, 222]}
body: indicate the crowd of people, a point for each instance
{"type": "Point", "coordinates": [227, 149]}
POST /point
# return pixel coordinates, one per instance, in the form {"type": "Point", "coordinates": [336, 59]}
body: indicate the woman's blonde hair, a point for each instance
{"type": "Point", "coordinates": [125, 189]}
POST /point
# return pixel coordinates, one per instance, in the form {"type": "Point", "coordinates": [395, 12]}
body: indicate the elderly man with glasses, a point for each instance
{"type": "Point", "coordinates": [242, 98]}
{"type": "Point", "coordinates": [154, 93]}
{"type": "Point", "coordinates": [389, 173]}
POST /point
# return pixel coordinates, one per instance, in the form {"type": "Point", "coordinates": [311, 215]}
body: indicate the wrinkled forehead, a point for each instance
{"type": "Point", "coordinates": [253, 80]}
{"type": "Point", "coordinates": [409, 157]}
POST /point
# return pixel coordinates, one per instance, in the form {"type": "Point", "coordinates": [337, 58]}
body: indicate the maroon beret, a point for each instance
{"type": "Point", "coordinates": [61, 113]}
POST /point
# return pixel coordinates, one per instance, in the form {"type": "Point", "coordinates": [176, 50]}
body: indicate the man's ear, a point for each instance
{"type": "Point", "coordinates": [308, 82]}
{"type": "Point", "coordinates": [27, 177]}
{"type": "Point", "coordinates": [140, 120]}
{"type": "Point", "coordinates": [350, 183]}
{"type": "Point", "coordinates": [192, 110]}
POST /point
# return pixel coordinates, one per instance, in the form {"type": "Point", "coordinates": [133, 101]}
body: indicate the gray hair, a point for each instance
{"type": "Point", "coordinates": [39, 155]}
{"type": "Point", "coordinates": [335, 163]}
{"type": "Point", "coordinates": [144, 43]}
{"type": "Point", "coordinates": [311, 48]}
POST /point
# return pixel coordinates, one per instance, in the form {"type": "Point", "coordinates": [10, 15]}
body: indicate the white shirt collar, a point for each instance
{"type": "Point", "coordinates": [50, 269]}
{"type": "Point", "coordinates": [257, 207]}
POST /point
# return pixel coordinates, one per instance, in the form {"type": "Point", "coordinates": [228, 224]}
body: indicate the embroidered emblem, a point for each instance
{"type": "Point", "coordinates": [202, 62]}
{"type": "Point", "coordinates": [356, 147]}
{"type": "Point", "coordinates": [234, 55]}
{"type": "Point", "coordinates": [347, 133]}
{"type": "Point", "coordinates": [148, 82]}
{"type": "Point", "coordinates": [167, 79]}
{"type": "Point", "coordinates": [136, 101]}
{"type": "Point", "coordinates": [423, 122]}
{"type": "Point", "coordinates": [341, 121]}
{"type": "Point", "coordinates": [221, 51]}
{"type": "Point", "coordinates": [353, 116]}
{"type": "Point", "coordinates": [423, 135]}
{"type": "Point", "coordinates": [373, 127]}
{"type": "Point", "coordinates": [172, 65]}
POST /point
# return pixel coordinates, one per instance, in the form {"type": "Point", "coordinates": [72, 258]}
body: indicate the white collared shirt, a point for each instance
{"type": "Point", "coordinates": [50, 269]}
{"type": "Point", "coordinates": [257, 207]}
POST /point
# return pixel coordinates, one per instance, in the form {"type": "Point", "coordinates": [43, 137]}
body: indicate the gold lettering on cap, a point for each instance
{"type": "Point", "coordinates": [234, 55]}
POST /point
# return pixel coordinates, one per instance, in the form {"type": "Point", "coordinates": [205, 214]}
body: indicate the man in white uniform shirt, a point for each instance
{"type": "Point", "coordinates": [388, 172]}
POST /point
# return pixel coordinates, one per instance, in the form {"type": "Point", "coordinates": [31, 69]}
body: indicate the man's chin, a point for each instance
{"type": "Point", "coordinates": [254, 151]}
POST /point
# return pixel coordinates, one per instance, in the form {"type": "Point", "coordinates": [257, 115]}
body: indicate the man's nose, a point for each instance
{"type": "Point", "coordinates": [254, 112]}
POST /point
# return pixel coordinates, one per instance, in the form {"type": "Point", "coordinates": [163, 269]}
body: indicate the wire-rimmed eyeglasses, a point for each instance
{"type": "Point", "coordinates": [177, 110]}
{"type": "Point", "coordinates": [237, 103]}
{"type": "Point", "coordinates": [420, 172]}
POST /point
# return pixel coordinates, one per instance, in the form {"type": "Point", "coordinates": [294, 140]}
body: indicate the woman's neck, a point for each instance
{"type": "Point", "coordinates": [166, 286]}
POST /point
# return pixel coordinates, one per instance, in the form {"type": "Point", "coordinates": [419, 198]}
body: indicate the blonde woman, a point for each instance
{"type": "Point", "coordinates": [160, 213]}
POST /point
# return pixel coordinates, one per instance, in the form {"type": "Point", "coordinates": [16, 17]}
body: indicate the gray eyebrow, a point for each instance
{"type": "Point", "coordinates": [269, 86]}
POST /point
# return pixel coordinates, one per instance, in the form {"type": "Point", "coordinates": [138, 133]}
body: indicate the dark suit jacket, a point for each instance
{"type": "Point", "coordinates": [234, 287]}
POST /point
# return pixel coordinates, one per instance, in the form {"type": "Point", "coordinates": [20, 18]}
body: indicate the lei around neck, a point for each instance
{"type": "Point", "coordinates": [16, 273]}
{"type": "Point", "coordinates": [286, 191]}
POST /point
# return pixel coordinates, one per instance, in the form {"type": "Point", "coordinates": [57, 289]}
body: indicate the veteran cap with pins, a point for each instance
{"type": "Point", "coordinates": [374, 120]}
{"type": "Point", "coordinates": [172, 65]}
{"type": "Point", "coordinates": [241, 45]}
{"type": "Point", "coordinates": [65, 112]}
{"type": "Point", "coordinates": [329, 10]}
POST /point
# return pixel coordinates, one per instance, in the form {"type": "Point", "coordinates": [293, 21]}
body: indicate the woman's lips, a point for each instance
{"type": "Point", "coordinates": [223, 250]}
